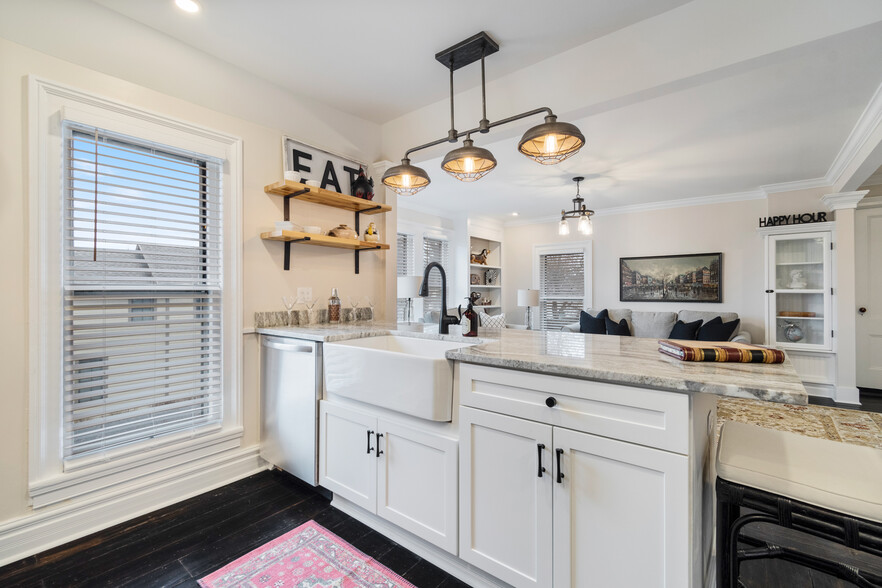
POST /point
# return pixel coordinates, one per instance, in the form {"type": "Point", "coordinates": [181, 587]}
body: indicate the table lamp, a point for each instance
{"type": "Point", "coordinates": [409, 288]}
{"type": "Point", "coordinates": [528, 298]}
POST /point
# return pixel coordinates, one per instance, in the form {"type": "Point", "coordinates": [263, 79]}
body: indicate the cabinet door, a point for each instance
{"type": "Point", "coordinates": [505, 506]}
{"type": "Point", "coordinates": [621, 514]}
{"type": "Point", "coordinates": [800, 275]}
{"type": "Point", "coordinates": [416, 483]}
{"type": "Point", "coordinates": [347, 460]}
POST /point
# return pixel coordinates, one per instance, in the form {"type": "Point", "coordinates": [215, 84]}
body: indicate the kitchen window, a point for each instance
{"type": "Point", "coordinates": [135, 286]}
{"type": "Point", "coordinates": [404, 266]}
{"type": "Point", "coordinates": [562, 276]}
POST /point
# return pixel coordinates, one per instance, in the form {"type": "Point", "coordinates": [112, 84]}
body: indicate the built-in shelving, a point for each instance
{"type": "Point", "coordinates": [491, 292]}
{"type": "Point", "coordinates": [288, 190]}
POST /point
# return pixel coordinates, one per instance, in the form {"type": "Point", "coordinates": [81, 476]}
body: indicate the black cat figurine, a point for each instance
{"type": "Point", "coordinates": [363, 187]}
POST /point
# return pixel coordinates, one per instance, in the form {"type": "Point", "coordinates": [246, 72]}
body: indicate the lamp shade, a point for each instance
{"type": "Point", "coordinates": [552, 141]}
{"type": "Point", "coordinates": [528, 297]}
{"type": "Point", "coordinates": [468, 163]}
{"type": "Point", "coordinates": [406, 179]}
{"type": "Point", "coordinates": [409, 286]}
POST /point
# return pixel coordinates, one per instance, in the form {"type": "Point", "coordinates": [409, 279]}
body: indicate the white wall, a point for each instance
{"type": "Point", "coordinates": [727, 227]}
{"type": "Point", "coordinates": [236, 98]}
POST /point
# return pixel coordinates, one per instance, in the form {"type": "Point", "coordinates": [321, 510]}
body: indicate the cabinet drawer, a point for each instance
{"type": "Point", "coordinates": [649, 417]}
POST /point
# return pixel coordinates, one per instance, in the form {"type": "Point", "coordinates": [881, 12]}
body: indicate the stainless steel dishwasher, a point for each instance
{"type": "Point", "coordinates": [290, 387]}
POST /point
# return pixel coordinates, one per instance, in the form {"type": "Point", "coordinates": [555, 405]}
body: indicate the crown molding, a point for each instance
{"type": "Point", "coordinates": [796, 185]}
{"type": "Point", "coordinates": [869, 120]}
{"type": "Point", "coordinates": [870, 202]}
{"type": "Point", "coordinates": [843, 200]}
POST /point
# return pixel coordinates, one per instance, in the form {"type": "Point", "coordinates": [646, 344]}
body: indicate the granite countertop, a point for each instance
{"type": "Point", "coordinates": [632, 361]}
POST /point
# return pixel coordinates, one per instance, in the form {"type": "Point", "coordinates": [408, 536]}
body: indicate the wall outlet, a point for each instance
{"type": "Point", "coordinates": [304, 293]}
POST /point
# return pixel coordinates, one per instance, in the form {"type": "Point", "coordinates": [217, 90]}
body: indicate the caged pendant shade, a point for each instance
{"type": "Point", "coordinates": [468, 163]}
{"type": "Point", "coordinates": [406, 179]}
{"type": "Point", "coordinates": [552, 141]}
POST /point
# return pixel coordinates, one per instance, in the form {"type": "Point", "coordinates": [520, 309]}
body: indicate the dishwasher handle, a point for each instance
{"type": "Point", "coordinates": [282, 346]}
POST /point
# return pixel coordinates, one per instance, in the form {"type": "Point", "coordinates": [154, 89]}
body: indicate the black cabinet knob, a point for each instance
{"type": "Point", "coordinates": [862, 309]}
{"type": "Point", "coordinates": [550, 402]}
{"type": "Point", "coordinates": [769, 291]}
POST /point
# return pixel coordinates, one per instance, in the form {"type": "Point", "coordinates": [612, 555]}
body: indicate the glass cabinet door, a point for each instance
{"type": "Point", "coordinates": [800, 281]}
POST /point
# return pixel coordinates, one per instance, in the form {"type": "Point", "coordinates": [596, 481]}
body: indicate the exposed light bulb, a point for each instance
{"type": "Point", "coordinates": [469, 165]}
{"type": "Point", "coordinates": [187, 5]}
{"type": "Point", "coordinates": [405, 180]}
{"type": "Point", "coordinates": [563, 228]}
{"type": "Point", "coordinates": [584, 225]}
{"type": "Point", "coordinates": [550, 143]}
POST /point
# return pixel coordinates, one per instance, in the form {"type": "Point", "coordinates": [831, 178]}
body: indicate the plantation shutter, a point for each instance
{"type": "Point", "coordinates": [403, 265]}
{"type": "Point", "coordinates": [142, 292]}
{"type": "Point", "coordinates": [434, 250]}
{"type": "Point", "coordinates": [561, 289]}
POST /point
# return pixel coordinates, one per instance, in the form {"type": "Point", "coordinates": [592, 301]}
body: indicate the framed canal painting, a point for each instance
{"type": "Point", "coordinates": [696, 277]}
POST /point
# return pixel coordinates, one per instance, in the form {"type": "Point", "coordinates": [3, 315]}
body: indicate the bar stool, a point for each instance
{"type": "Point", "coordinates": [822, 488]}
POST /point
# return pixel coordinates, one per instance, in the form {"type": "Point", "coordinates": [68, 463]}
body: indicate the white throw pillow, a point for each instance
{"type": "Point", "coordinates": [492, 321]}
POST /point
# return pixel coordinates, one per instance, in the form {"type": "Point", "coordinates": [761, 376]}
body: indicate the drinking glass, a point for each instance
{"type": "Point", "coordinates": [370, 302]}
{"type": "Point", "coordinates": [354, 302]}
{"type": "Point", "coordinates": [289, 302]}
{"type": "Point", "coordinates": [311, 314]}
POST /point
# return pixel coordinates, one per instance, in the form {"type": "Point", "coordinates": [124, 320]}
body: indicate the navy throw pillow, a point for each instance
{"type": "Point", "coordinates": [618, 328]}
{"type": "Point", "coordinates": [685, 331]}
{"type": "Point", "coordinates": [595, 325]}
{"type": "Point", "coordinates": [716, 330]}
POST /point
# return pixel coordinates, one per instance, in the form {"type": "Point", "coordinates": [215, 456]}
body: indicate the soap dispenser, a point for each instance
{"type": "Point", "coordinates": [471, 329]}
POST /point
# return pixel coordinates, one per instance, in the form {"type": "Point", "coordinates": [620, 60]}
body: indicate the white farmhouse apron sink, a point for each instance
{"type": "Point", "coordinates": [404, 374]}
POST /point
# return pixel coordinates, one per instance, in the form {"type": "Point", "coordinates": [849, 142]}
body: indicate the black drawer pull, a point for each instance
{"type": "Point", "coordinates": [540, 447]}
{"type": "Point", "coordinates": [560, 475]}
{"type": "Point", "coordinates": [379, 452]}
{"type": "Point", "coordinates": [369, 448]}
{"type": "Point", "coordinates": [550, 402]}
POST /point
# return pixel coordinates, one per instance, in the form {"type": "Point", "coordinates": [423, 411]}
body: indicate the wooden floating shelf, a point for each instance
{"type": "Point", "coordinates": [321, 240]}
{"type": "Point", "coordinates": [306, 193]}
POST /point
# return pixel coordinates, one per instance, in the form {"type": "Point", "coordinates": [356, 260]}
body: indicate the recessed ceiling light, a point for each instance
{"type": "Point", "coordinates": [188, 5]}
{"type": "Point", "coordinates": [514, 214]}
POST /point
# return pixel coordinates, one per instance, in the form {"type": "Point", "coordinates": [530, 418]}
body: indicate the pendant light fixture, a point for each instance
{"type": "Point", "coordinates": [579, 211]}
{"type": "Point", "coordinates": [548, 143]}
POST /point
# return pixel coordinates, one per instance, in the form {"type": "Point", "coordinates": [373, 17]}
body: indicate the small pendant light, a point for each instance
{"type": "Point", "coordinates": [406, 179]}
{"type": "Point", "coordinates": [552, 141]}
{"type": "Point", "coordinates": [468, 163]}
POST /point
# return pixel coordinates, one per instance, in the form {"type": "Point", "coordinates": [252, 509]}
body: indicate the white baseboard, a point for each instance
{"type": "Point", "coordinates": [848, 395]}
{"type": "Point", "coordinates": [49, 528]}
{"type": "Point", "coordinates": [431, 553]}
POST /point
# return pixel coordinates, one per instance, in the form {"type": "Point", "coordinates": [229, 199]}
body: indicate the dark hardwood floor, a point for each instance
{"type": "Point", "coordinates": [177, 545]}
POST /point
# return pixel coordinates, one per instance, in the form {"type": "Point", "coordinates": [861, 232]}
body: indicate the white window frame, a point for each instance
{"type": "Point", "coordinates": [48, 480]}
{"type": "Point", "coordinates": [583, 247]}
{"type": "Point", "coordinates": [419, 232]}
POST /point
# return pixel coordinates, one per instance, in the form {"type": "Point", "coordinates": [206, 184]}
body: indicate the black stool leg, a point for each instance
{"type": "Point", "coordinates": [727, 512]}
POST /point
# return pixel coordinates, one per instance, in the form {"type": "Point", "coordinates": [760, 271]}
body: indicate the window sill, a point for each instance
{"type": "Point", "coordinates": [111, 476]}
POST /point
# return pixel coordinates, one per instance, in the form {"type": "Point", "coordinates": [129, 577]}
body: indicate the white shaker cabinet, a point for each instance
{"type": "Point", "coordinates": [603, 512]}
{"type": "Point", "coordinates": [505, 505]}
{"type": "Point", "coordinates": [399, 472]}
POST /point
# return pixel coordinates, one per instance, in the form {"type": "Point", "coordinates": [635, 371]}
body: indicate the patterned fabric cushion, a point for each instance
{"type": "Point", "coordinates": [492, 321]}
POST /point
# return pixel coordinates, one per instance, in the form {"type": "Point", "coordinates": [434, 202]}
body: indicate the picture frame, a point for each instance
{"type": "Point", "coordinates": [693, 277]}
{"type": "Point", "coordinates": [474, 279]}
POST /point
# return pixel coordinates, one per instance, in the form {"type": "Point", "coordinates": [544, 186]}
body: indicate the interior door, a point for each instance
{"type": "Point", "coordinates": [621, 514]}
{"type": "Point", "coordinates": [504, 501]}
{"type": "Point", "coordinates": [347, 454]}
{"type": "Point", "coordinates": [416, 482]}
{"type": "Point", "coordinates": [868, 295]}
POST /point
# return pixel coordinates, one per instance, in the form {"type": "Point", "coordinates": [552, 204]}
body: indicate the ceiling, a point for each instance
{"type": "Point", "coordinates": [771, 101]}
{"type": "Point", "coordinates": [377, 61]}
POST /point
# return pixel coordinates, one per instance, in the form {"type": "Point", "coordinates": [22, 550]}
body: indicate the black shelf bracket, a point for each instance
{"type": "Point", "coordinates": [358, 213]}
{"type": "Point", "coordinates": [288, 248]}
{"type": "Point", "coordinates": [288, 198]}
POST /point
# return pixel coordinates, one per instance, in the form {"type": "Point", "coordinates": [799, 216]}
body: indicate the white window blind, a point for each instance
{"type": "Point", "coordinates": [561, 288]}
{"type": "Point", "coordinates": [434, 250]}
{"type": "Point", "coordinates": [403, 266]}
{"type": "Point", "coordinates": [142, 291]}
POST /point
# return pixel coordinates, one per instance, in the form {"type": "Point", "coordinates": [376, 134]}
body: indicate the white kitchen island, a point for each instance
{"type": "Point", "coordinates": [583, 460]}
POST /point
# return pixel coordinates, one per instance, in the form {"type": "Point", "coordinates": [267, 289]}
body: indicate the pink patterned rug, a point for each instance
{"type": "Point", "coordinates": [310, 556]}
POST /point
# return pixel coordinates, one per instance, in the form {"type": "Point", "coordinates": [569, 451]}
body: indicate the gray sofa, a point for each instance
{"type": "Point", "coordinates": [658, 325]}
